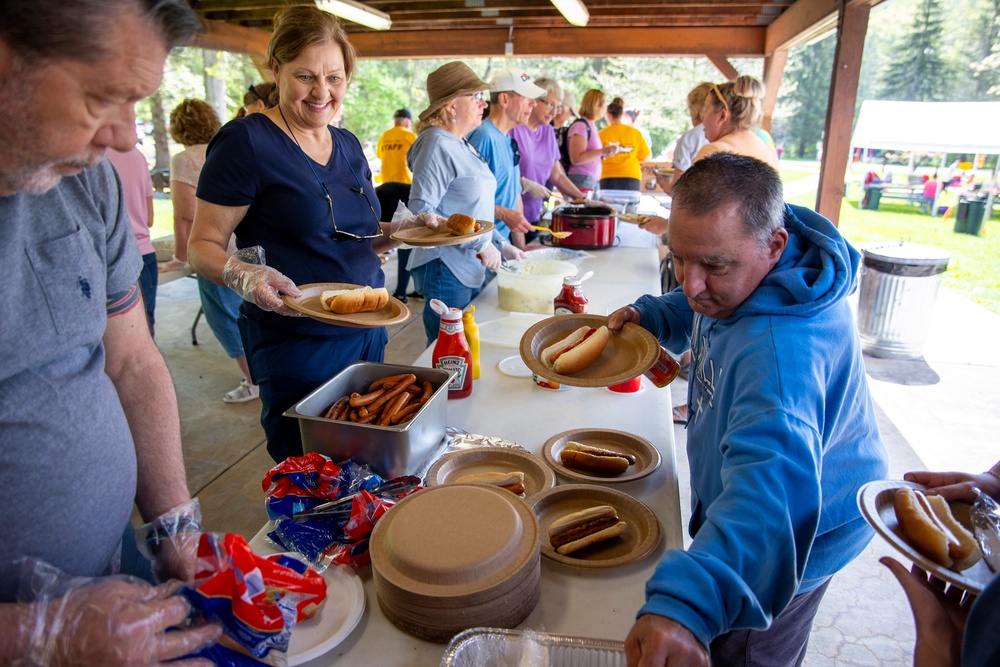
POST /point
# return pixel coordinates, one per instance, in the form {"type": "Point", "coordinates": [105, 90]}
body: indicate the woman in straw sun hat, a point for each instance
{"type": "Point", "coordinates": [450, 176]}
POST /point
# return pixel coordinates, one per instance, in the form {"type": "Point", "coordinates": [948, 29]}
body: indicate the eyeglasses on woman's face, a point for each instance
{"type": "Point", "coordinates": [554, 107]}
{"type": "Point", "coordinates": [476, 97]}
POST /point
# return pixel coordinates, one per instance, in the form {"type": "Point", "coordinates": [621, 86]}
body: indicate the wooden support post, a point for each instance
{"type": "Point", "coordinates": [851, 28]}
{"type": "Point", "coordinates": [774, 69]}
{"type": "Point", "coordinates": [724, 66]}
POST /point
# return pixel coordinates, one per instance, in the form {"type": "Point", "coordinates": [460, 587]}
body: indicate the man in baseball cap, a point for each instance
{"type": "Point", "coordinates": [513, 97]}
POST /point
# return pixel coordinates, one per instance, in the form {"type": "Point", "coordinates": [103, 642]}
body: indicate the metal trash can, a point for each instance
{"type": "Point", "coordinates": [969, 217]}
{"type": "Point", "coordinates": [873, 195]}
{"type": "Point", "coordinates": [898, 287]}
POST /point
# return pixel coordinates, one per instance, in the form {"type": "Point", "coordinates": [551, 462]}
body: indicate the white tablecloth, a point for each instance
{"type": "Point", "coordinates": [589, 603]}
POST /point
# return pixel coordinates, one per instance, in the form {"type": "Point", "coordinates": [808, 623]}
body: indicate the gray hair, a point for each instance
{"type": "Point", "coordinates": [550, 85]}
{"type": "Point", "coordinates": [725, 178]}
{"type": "Point", "coordinates": [83, 30]}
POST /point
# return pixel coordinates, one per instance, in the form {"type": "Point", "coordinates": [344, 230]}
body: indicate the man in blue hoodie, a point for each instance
{"type": "Point", "coordinates": [781, 430]}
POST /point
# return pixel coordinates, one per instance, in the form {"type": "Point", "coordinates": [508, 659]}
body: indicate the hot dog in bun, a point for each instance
{"type": "Point", "coordinates": [931, 528]}
{"type": "Point", "coordinates": [576, 351]}
{"type": "Point", "coordinates": [596, 459]}
{"type": "Point", "coordinates": [354, 300]}
{"type": "Point", "coordinates": [512, 481]}
{"type": "Point", "coordinates": [588, 526]}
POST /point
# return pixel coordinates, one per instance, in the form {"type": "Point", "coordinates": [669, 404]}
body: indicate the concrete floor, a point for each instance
{"type": "Point", "coordinates": [938, 412]}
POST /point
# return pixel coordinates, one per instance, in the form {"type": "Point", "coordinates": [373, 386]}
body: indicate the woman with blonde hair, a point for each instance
{"type": "Point", "coordinates": [291, 185]}
{"type": "Point", "coordinates": [691, 141]}
{"type": "Point", "coordinates": [585, 148]}
{"type": "Point", "coordinates": [193, 123]}
{"type": "Point", "coordinates": [732, 112]}
{"type": "Point", "coordinates": [622, 171]}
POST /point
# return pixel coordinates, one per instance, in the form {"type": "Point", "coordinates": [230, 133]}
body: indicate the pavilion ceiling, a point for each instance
{"type": "Point", "coordinates": [442, 28]}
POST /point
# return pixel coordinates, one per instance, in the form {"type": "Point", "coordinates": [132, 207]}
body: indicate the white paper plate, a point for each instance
{"type": "Point", "coordinates": [335, 620]}
{"type": "Point", "coordinates": [514, 367]}
{"type": "Point", "coordinates": [507, 331]}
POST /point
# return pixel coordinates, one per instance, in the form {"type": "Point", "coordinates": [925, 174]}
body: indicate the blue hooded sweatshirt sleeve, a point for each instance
{"type": "Point", "coordinates": [781, 435]}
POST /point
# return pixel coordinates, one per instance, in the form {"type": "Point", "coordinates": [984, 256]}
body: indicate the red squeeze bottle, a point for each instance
{"type": "Point", "coordinates": [571, 299]}
{"type": "Point", "coordinates": [451, 352]}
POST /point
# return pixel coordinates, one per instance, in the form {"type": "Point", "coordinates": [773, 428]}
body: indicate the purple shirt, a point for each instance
{"type": "Point", "coordinates": [592, 168]}
{"type": "Point", "coordinates": [539, 152]}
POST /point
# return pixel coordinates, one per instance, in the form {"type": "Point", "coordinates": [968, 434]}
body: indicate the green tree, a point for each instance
{"type": "Point", "coordinates": [919, 71]}
{"type": "Point", "coordinates": [805, 96]}
{"type": "Point", "coordinates": [985, 57]}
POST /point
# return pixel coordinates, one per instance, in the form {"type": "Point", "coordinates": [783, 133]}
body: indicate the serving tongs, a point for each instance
{"type": "Point", "coordinates": [336, 510]}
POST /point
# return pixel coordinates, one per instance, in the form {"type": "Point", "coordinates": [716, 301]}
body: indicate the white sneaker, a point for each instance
{"type": "Point", "coordinates": [243, 393]}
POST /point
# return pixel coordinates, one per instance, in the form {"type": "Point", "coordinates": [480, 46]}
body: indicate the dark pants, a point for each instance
{"type": "Point", "coordinates": [148, 280]}
{"type": "Point", "coordinates": [781, 645]}
{"type": "Point", "coordinates": [402, 273]}
{"type": "Point", "coordinates": [633, 184]}
{"type": "Point", "coordinates": [288, 367]}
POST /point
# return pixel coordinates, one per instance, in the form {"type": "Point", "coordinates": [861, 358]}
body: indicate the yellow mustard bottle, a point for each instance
{"type": "Point", "coordinates": [472, 335]}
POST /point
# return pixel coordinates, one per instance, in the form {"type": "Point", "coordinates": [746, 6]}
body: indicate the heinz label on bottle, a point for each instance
{"type": "Point", "coordinates": [459, 366]}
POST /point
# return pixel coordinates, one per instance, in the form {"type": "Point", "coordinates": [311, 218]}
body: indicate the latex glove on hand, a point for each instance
{"type": "Point", "coordinates": [509, 251]}
{"type": "Point", "coordinates": [537, 190]}
{"type": "Point", "coordinates": [490, 256]}
{"type": "Point", "coordinates": [260, 285]}
{"type": "Point", "coordinates": [113, 621]}
{"type": "Point", "coordinates": [609, 150]}
{"type": "Point", "coordinates": [427, 219]}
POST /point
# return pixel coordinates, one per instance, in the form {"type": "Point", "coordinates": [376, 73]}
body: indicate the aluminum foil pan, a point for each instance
{"type": "Point", "coordinates": [459, 439]}
{"type": "Point", "coordinates": [493, 647]}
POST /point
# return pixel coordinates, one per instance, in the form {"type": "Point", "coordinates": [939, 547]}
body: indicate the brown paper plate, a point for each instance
{"type": "Point", "coordinates": [451, 466]}
{"type": "Point", "coordinates": [453, 541]}
{"type": "Point", "coordinates": [394, 312]}
{"type": "Point", "coordinates": [634, 218]}
{"type": "Point", "coordinates": [875, 499]}
{"type": "Point", "coordinates": [426, 237]}
{"type": "Point", "coordinates": [630, 352]}
{"type": "Point", "coordinates": [647, 457]}
{"type": "Point", "coordinates": [640, 539]}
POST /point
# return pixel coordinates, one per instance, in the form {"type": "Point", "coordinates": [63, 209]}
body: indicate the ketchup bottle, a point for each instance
{"type": "Point", "coordinates": [571, 299]}
{"type": "Point", "coordinates": [451, 352]}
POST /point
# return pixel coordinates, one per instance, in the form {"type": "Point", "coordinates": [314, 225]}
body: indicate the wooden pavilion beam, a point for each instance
{"type": "Point", "coordinates": [851, 29]}
{"type": "Point", "coordinates": [801, 23]}
{"type": "Point", "coordinates": [774, 70]}
{"type": "Point", "coordinates": [221, 36]}
{"type": "Point", "coordinates": [724, 66]}
{"type": "Point", "coordinates": [565, 42]}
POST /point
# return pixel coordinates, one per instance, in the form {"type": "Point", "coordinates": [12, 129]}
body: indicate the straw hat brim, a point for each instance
{"type": "Point", "coordinates": [429, 111]}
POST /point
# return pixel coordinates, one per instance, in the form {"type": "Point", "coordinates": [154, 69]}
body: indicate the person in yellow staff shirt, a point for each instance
{"type": "Point", "coordinates": [621, 171]}
{"type": "Point", "coordinates": [392, 147]}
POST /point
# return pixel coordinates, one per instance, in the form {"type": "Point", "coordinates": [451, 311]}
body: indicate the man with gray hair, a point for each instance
{"type": "Point", "coordinates": [781, 430]}
{"type": "Point", "coordinates": [88, 414]}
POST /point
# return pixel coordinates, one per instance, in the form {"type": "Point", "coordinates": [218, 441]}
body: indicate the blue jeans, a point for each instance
{"type": "Point", "coordinates": [440, 283]}
{"type": "Point", "coordinates": [148, 280]}
{"type": "Point", "coordinates": [288, 366]}
{"type": "Point", "coordinates": [222, 307]}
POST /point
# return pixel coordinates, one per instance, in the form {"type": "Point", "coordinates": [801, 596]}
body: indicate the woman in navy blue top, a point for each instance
{"type": "Point", "coordinates": [284, 180]}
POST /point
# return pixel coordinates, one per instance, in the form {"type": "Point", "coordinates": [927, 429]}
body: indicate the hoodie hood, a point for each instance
{"type": "Point", "coordinates": [817, 269]}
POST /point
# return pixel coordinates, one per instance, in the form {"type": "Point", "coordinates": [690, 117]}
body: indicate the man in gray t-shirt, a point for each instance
{"type": "Point", "coordinates": [88, 415]}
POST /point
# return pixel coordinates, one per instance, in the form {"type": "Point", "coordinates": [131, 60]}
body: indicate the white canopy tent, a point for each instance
{"type": "Point", "coordinates": [929, 127]}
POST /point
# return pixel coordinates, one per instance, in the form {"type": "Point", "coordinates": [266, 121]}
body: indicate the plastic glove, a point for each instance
{"type": "Point", "coordinates": [537, 190]}
{"type": "Point", "coordinates": [170, 541]}
{"type": "Point", "coordinates": [106, 621]}
{"type": "Point", "coordinates": [511, 252]}
{"type": "Point", "coordinates": [427, 219]}
{"type": "Point", "coordinates": [609, 150]}
{"type": "Point", "coordinates": [260, 285]}
{"type": "Point", "coordinates": [490, 256]}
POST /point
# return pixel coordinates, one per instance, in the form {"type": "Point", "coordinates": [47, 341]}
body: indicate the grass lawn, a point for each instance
{"type": "Point", "coordinates": [163, 218]}
{"type": "Point", "coordinates": [974, 269]}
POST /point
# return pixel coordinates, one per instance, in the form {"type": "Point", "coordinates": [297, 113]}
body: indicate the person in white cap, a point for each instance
{"type": "Point", "coordinates": [513, 97]}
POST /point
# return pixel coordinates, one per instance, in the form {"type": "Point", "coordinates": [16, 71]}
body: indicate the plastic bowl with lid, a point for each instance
{"type": "Point", "coordinates": [530, 285]}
